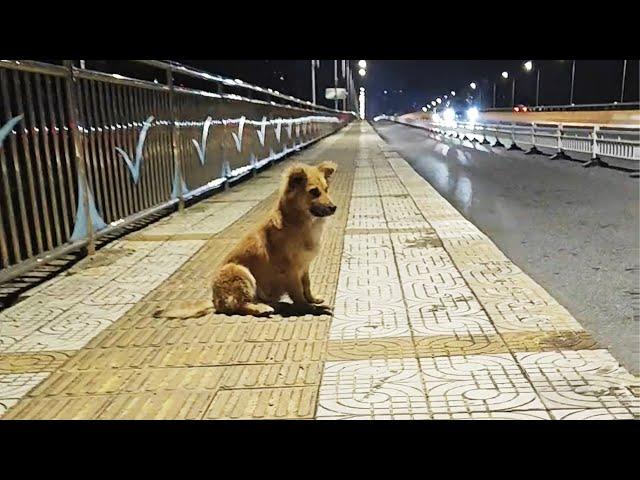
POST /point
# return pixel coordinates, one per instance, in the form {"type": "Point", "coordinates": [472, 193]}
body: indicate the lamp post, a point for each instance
{"type": "Point", "coordinates": [314, 63]}
{"type": "Point", "coordinates": [624, 74]}
{"type": "Point", "coordinates": [573, 76]}
{"type": "Point", "coordinates": [335, 84]}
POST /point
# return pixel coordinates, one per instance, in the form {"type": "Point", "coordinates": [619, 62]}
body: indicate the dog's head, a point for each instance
{"type": "Point", "coordinates": [307, 187]}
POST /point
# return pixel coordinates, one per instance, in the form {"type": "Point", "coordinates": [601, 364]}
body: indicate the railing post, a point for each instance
{"type": "Point", "coordinates": [533, 150]}
{"type": "Point", "coordinates": [514, 145]}
{"type": "Point", "coordinates": [498, 143]}
{"type": "Point", "coordinates": [595, 161]}
{"type": "Point", "coordinates": [484, 137]}
{"type": "Point", "coordinates": [77, 137]}
{"type": "Point", "coordinates": [560, 154]}
{"type": "Point", "coordinates": [177, 161]}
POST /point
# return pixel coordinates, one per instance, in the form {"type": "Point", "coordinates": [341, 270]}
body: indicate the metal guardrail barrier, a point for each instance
{"type": "Point", "coordinates": [573, 107]}
{"type": "Point", "coordinates": [619, 142]}
{"type": "Point", "coordinates": [84, 152]}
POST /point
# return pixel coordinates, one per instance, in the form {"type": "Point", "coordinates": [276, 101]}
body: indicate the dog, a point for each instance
{"type": "Point", "coordinates": [274, 258]}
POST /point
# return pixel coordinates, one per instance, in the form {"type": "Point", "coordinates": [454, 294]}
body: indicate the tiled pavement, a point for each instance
{"type": "Point", "coordinates": [430, 320]}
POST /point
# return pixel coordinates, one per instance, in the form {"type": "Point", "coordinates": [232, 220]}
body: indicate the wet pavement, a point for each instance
{"type": "Point", "coordinates": [575, 231]}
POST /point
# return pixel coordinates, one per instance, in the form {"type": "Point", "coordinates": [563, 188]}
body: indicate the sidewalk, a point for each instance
{"type": "Point", "coordinates": [430, 320]}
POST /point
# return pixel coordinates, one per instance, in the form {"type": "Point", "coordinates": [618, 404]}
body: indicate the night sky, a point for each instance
{"type": "Point", "coordinates": [410, 84]}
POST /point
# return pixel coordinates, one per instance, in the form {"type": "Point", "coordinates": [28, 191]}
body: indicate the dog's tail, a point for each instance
{"type": "Point", "coordinates": [194, 310]}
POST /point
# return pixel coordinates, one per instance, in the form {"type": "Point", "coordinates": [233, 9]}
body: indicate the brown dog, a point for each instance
{"type": "Point", "coordinates": [274, 259]}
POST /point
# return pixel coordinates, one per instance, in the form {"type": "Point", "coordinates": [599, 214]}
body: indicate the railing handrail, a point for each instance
{"type": "Point", "coordinates": [57, 70]}
{"type": "Point", "coordinates": [544, 123]}
{"type": "Point", "coordinates": [615, 105]}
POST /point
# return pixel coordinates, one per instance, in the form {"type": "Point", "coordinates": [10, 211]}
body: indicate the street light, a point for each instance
{"type": "Point", "coordinates": [424, 109]}
{"type": "Point", "coordinates": [453, 94]}
{"type": "Point", "coordinates": [473, 85]}
{"type": "Point", "coordinates": [433, 103]}
{"type": "Point", "coordinates": [439, 100]}
{"type": "Point", "coordinates": [362, 72]}
{"type": "Point", "coordinates": [528, 66]}
{"type": "Point", "coordinates": [505, 75]}
{"type": "Point", "coordinates": [362, 64]}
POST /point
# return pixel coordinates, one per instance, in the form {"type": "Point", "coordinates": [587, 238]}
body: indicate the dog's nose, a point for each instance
{"type": "Point", "coordinates": [332, 208]}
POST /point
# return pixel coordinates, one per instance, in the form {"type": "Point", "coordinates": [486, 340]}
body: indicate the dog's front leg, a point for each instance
{"type": "Point", "coordinates": [306, 286]}
{"type": "Point", "coordinates": [296, 292]}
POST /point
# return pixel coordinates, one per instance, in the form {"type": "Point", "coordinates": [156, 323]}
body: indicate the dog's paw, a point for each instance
{"type": "Point", "coordinates": [323, 310]}
{"type": "Point", "coordinates": [262, 310]}
{"type": "Point", "coordinates": [316, 301]}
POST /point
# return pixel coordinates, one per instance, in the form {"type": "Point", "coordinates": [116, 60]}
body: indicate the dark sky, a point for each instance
{"type": "Point", "coordinates": [412, 83]}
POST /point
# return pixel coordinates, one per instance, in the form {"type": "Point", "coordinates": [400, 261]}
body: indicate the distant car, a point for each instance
{"type": "Point", "coordinates": [520, 108]}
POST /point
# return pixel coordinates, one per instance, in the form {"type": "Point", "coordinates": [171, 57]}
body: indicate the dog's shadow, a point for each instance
{"type": "Point", "coordinates": [286, 309]}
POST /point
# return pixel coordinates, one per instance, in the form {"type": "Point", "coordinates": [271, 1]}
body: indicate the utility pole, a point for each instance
{"type": "Point", "coordinates": [313, 81]}
{"type": "Point", "coordinates": [573, 75]}
{"type": "Point", "coordinates": [335, 84]}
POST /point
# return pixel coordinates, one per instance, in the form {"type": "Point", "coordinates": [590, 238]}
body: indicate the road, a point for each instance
{"type": "Point", "coordinates": [575, 231]}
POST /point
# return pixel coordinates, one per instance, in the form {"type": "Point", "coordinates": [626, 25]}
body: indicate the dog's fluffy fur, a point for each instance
{"type": "Point", "coordinates": [274, 259]}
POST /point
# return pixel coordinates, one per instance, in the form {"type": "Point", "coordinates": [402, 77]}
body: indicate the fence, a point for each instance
{"type": "Point", "coordinates": [619, 142]}
{"type": "Point", "coordinates": [84, 152]}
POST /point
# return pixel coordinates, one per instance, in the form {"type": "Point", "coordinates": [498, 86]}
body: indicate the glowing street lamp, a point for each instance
{"type": "Point", "coordinates": [453, 94]}
{"type": "Point", "coordinates": [433, 103]}
{"type": "Point", "coordinates": [362, 64]}
{"type": "Point", "coordinates": [438, 100]}
{"type": "Point", "coordinates": [473, 85]}
{"type": "Point", "coordinates": [362, 72]}
{"type": "Point", "coordinates": [528, 65]}
{"type": "Point", "coordinates": [505, 75]}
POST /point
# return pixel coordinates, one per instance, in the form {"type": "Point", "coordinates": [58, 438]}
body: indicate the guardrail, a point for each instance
{"type": "Point", "coordinates": [83, 153]}
{"type": "Point", "coordinates": [619, 142]}
{"type": "Point", "coordinates": [572, 107]}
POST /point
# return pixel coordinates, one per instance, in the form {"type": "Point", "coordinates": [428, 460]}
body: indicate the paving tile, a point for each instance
{"type": "Point", "coordinates": [372, 388]}
{"type": "Point", "coordinates": [14, 386]}
{"type": "Point", "coordinates": [582, 379]}
{"type": "Point", "coordinates": [263, 403]}
{"type": "Point", "coordinates": [477, 383]}
{"type": "Point", "coordinates": [28, 362]}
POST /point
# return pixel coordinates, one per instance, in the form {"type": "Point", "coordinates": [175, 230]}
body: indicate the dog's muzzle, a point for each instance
{"type": "Point", "coordinates": [323, 210]}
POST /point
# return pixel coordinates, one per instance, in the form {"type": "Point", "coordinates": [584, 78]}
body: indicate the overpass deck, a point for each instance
{"type": "Point", "coordinates": [430, 320]}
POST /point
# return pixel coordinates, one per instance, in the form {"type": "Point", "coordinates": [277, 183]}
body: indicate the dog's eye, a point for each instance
{"type": "Point", "coordinates": [314, 192]}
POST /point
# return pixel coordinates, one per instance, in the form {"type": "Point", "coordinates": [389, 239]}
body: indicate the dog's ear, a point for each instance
{"type": "Point", "coordinates": [327, 169]}
{"type": "Point", "coordinates": [296, 177]}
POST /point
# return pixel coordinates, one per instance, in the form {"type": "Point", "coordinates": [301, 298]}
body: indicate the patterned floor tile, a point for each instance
{"type": "Point", "coordinates": [372, 388]}
{"type": "Point", "coordinates": [477, 383]}
{"type": "Point", "coordinates": [583, 379]}
{"type": "Point", "coordinates": [14, 386]}
{"type": "Point", "coordinates": [594, 414]}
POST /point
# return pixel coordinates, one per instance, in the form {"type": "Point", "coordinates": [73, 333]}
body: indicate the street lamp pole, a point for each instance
{"type": "Point", "coordinates": [494, 94]}
{"type": "Point", "coordinates": [313, 81]}
{"type": "Point", "coordinates": [537, 86]}
{"type": "Point", "coordinates": [624, 74]}
{"type": "Point", "coordinates": [513, 91]}
{"type": "Point", "coordinates": [573, 75]}
{"type": "Point", "coordinates": [335, 84]}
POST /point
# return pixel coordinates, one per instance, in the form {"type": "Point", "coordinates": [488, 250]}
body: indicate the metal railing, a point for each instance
{"type": "Point", "coordinates": [573, 107]}
{"type": "Point", "coordinates": [84, 152]}
{"type": "Point", "coordinates": [618, 142]}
